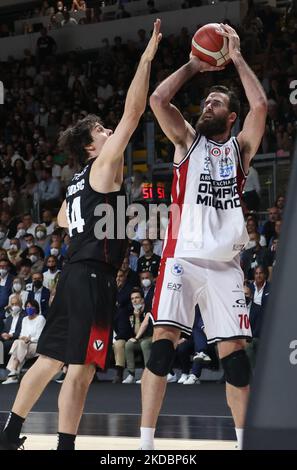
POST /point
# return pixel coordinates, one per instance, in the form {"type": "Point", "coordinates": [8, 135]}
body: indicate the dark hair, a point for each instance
{"type": "Point", "coordinates": [137, 290]}
{"type": "Point", "coordinates": [34, 304]}
{"type": "Point", "coordinates": [75, 139]}
{"type": "Point", "coordinates": [234, 103]}
{"type": "Point", "coordinates": [264, 269]}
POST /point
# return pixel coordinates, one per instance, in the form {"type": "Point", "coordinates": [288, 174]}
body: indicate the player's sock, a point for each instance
{"type": "Point", "coordinates": [147, 438]}
{"type": "Point", "coordinates": [66, 441]}
{"type": "Point", "coordinates": [13, 427]}
{"type": "Point", "coordinates": [239, 435]}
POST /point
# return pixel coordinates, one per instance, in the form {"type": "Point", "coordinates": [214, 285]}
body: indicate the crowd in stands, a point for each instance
{"type": "Point", "coordinates": [46, 92]}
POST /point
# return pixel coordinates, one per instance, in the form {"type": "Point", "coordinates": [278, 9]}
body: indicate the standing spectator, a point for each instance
{"type": "Point", "coordinates": [45, 47]}
{"type": "Point", "coordinates": [252, 190]}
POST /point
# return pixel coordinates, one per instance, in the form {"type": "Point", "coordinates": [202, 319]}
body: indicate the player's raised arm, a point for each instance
{"type": "Point", "coordinates": [254, 125]}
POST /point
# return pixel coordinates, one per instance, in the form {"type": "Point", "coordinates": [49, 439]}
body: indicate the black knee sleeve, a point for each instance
{"type": "Point", "coordinates": [237, 368]}
{"type": "Point", "coordinates": [161, 358]}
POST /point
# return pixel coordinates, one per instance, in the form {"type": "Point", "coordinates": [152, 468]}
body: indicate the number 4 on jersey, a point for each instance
{"type": "Point", "coordinates": [75, 220]}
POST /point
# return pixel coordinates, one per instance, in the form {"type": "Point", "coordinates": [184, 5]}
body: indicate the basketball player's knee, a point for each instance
{"type": "Point", "coordinates": [161, 358]}
{"type": "Point", "coordinates": [237, 368]}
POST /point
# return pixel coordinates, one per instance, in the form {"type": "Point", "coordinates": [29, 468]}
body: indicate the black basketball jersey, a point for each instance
{"type": "Point", "coordinates": [96, 221]}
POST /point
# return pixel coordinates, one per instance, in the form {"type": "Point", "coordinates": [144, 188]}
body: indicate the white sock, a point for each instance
{"type": "Point", "coordinates": [239, 435]}
{"type": "Point", "coordinates": [147, 438]}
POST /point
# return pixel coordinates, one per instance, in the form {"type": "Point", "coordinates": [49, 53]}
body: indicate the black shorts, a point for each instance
{"type": "Point", "coordinates": [79, 321]}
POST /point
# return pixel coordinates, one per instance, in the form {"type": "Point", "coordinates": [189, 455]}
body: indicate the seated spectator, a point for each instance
{"type": "Point", "coordinates": [12, 324]}
{"type": "Point", "coordinates": [68, 171]}
{"type": "Point", "coordinates": [29, 225]}
{"type": "Point", "coordinates": [254, 256]}
{"type": "Point", "coordinates": [68, 21]}
{"type": "Point", "coordinates": [46, 46]}
{"type": "Point", "coordinates": [56, 250]}
{"type": "Point", "coordinates": [280, 203]}
{"type": "Point", "coordinates": [14, 251]}
{"type": "Point", "coordinates": [56, 169]}
{"type": "Point", "coordinates": [6, 280]}
{"type": "Point", "coordinates": [258, 294]}
{"type": "Point", "coordinates": [149, 261]}
{"type": "Point", "coordinates": [252, 226]}
{"type": "Point", "coordinates": [25, 271]}
{"type": "Point", "coordinates": [41, 237]}
{"type": "Point", "coordinates": [25, 347]}
{"type": "Point", "coordinates": [132, 276]}
{"type": "Point", "coordinates": [148, 288]}
{"type": "Point", "coordinates": [39, 293]}
{"type": "Point", "coordinates": [48, 221]}
{"type": "Point", "coordinates": [19, 288]}
{"type": "Point", "coordinates": [36, 256]}
{"type": "Point", "coordinates": [277, 229]}
{"type": "Point", "coordinates": [142, 337]}
{"type": "Point", "coordinates": [49, 189]}
{"type": "Point", "coordinates": [49, 276]}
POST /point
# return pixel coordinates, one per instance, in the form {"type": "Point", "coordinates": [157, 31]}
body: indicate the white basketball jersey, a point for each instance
{"type": "Point", "coordinates": [206, 219]}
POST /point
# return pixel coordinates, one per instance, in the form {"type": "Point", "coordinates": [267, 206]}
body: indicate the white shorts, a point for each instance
{"type": "Point", "coordinates": [216, 286]}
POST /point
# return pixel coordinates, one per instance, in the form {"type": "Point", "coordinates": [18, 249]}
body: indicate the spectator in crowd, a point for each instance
{"type": "Point", "coordinates": [49, 276]}
{"type": "Point", "coordinates": [19, 288]}
{"type": "Point", "coordinates": [25, 272]}
{"type": "Point", "coordinates": [39, 293]}
{"type": "Point", "coordinates": [142, 337]}
{"type": "Point", "coordinates": [132, 276]}
{"type": "Point", "coordinates": [41, 237]}
{"type": "Point", "coordinates": [149, 261]}
{"type": "Point", "coordinates": [254, 256]}
{"type": "Point", "coordinates": [68, 21]}
{"type": "Point", "coordinates": [29, 227]}
{"type": "Point", "coordinates": [252, 226]}
{"type": "Point", "coordinates": [14, 251]}
{"type": "Point", "coordinates": [269, 226]}
{"type": "Point", "coordinates": [148, 287]}
{"type": "Point", "coordinates": [36, 255]}
{"type": "Point", "coordinates": [259, 295]}
{"type": "Point", "coordinates": [252, 190]}
{"type": "Point", "coordinates": [25, 347]}
{"type": "Point", "coordinates": [6, 280]}
{"type": "Point", "coordinates": [68, 171]}
{"type": "Point", "coordinates": [122, 327]}
{"type": "Point", "coordinates": [49, 189]}
{"type": "Point", "coordinates": [78, 5]}
{"type": "Point", "coordinates": [280, 203]}
{"type": "Point", "coordinates": [45, 47]}
{"type": "Point", "coordinates": [4, 240]}
{"type": "Point", "coordinates": [48, 221]}
{"type": "Point", "coordinates": [12, 324]}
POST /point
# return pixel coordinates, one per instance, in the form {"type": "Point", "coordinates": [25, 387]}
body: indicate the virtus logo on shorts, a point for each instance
{"type": "Point", "coordinates": [98, 345]}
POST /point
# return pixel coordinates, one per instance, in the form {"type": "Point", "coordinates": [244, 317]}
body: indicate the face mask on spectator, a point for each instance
{"type": "Point", "coordinates": [17, 287]}
{"type": "Point", "coordinates": [54, 251]}
{"type": "Point", "coordinates": [40, 234]}
{"type": "Point", "coordinates": [3, 272]}
{"type": "Point", "coordinates": [137, 306]}
{"type": "Point", "coordinates": [250, 244]}
{"type": "Point", "coordinates": [29, 244]}
{"type": "Point", "coordinates": [15, 309]}
{"type": "Point", "coordinates": [20, 233]}
{"type": "Point", "coordinates": [146, 282]}
{"type": "Point", "coordinates": [33, 258]}
{"type": "Point", "coordinates": [37, 284]}
{"type": "Point", "coordinates": [2, 235]}
{"type": "Point", "coordinates": [30, 311]}
{"type": "Point", "coordinates": [13, 248]}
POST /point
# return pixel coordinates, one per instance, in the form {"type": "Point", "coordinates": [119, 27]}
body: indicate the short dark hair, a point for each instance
{"type": "Point", "coordinates": [234, 103]}
{"type": "Point", "coordinates": [34, 304]}
{"type": "Point", "coordinates": [76, 138]}
{"type": "Point", "coordinates": [137, 290]}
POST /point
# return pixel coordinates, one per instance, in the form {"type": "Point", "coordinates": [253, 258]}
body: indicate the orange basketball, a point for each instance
{"type": "Point", "coordinates": [210, 46]}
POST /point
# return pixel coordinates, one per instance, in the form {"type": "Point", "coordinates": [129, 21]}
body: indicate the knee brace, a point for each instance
{"type": "Point", "coordinates": [237, 368]}
{"type": "Point", "coordinates": [161, 358]}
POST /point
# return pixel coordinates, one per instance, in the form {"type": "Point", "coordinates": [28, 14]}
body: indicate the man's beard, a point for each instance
{"type": "Point", "coordinates": [212, 127]}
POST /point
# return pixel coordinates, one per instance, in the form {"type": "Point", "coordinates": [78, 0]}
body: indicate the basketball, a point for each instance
{"type": "Point", "coordinates": [209, 46]}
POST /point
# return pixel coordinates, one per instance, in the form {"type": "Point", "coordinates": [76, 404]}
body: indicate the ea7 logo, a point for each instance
{"type": "Point", "coordinates": [1, 93]}
{"type": "Point", "coordinates": [293, 354]}
{"type": "Point", "coordinates": [174, 286]}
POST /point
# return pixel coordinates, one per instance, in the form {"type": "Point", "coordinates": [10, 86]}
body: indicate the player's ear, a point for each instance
{"type": "Point", "coordinates": [232, 117]}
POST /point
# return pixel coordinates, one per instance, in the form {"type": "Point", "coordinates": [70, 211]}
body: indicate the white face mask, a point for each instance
{"type": "Point", "coordinates": [15, 309]}
{"type": "Point", "coordinates": [17, 287]}
{"type": "Point", "coordinates": [29, 244]}
{"type": "Point", "coordinates": [250, 244]}
{"type": "Point", "coordinates": [13, 248]}
{"type": "Point", "coordinates": [2, 235]}
{"type": "Point", "coordinates": [20, 233]}
{"type": "Point", "coordinates": [40, 234]}
{"type": "Point", "coordinates": [3, 272]}
{"type": "Point", "coordinates": [146, 282]}
{"type": "Point", "coordinates": [33, 258]}
{"type": "Point", "coordinates": [54, 251]}
{"type": "Point", "coordinates": [137, 306]}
